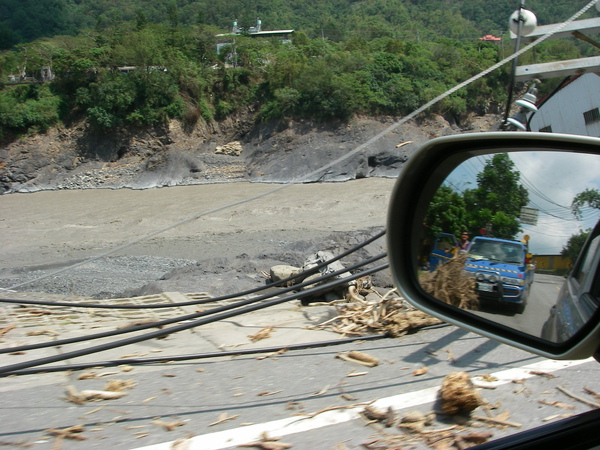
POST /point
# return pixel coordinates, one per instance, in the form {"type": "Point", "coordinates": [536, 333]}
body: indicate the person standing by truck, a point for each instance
{"type": "Point", "coordinates": [464, 242]}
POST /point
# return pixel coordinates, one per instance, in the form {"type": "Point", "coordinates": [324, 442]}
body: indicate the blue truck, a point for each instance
{"type": "Point", "coordinates": [502, 269]}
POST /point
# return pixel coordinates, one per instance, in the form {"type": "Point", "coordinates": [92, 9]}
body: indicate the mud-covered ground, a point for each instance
{"type": "Point", "coordinates": [205, 238]}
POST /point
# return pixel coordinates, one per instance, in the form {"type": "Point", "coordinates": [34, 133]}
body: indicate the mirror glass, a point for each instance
{"type": "Point", "coordinates": [501, 238]}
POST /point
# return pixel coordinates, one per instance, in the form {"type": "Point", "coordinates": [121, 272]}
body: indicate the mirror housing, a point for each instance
{"type": "Point", "coordinates": [419, 180]}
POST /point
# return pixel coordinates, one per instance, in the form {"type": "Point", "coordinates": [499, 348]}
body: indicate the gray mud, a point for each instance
{"type": "Point", "coordinates": [207, 238]}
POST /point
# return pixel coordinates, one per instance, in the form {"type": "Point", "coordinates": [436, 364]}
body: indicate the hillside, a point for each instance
{"type": "Point", "coordinates": [149, 93]}
{"type": "Point", "coordinates": [338, 20]}
{"type": "Point", "coordinates": [75, 158]}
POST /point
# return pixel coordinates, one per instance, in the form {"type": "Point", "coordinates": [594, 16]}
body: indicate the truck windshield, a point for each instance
{"type": "Point", "coordinates": [504, 252]}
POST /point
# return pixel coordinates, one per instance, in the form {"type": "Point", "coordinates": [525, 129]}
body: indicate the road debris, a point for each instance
{"type": "Point", "coordinates": [450, 284]}
{"type": "Point", "coordinates": [267, 443]}
{"type": "Point", "coordinates": [388, 417]}
{"type": "Point", "coordinates": [266, 393]}
{"type": "Point", "coordinates": [73, 433]}
{"type": "Point", "coordinates": [458, 395]}
{"type": "Point", "coordinates": [578, 398]}
{"type": "Point", "coordinates": [114, 389]}
{"type": "Point", "coordinates": [262, 334]}
{"type": "Point", "coordinates": [359, 358]}
{"type": "Point", "coordinates": [5, 330]}
{"type": "Point", "coordinates": [556, 404]}
{"type": "Point", "coordinates": [593, 393]}
{"type": "Point", "coordinates": [497, 421]}
{"type": "Point", "coordinates": [422, 371]}
{"type": "Point", "coordinates": [542, 374]}
{"type": "Point", "coordinates": [223, 417]}
{"type": "Point", "coordinates": [169, 426]}
{"type": "Point", "coordinates": [416, 421]}
{"type": "Point", "coordinates": [392, 316]}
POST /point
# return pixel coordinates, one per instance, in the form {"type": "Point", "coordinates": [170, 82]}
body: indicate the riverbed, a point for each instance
{"type": "Point", "coordinates": [132, 240]}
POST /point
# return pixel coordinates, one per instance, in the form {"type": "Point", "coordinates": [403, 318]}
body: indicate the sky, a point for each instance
{"type": "Point", "coordinates": [552, 179]}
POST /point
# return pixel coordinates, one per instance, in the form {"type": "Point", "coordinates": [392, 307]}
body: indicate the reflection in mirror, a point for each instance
{"type": "Point", "coordinates": [502, 235]}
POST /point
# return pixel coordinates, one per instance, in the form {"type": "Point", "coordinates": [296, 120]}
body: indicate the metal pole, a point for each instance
{"type": "Point", "coordinates": [514, 65]}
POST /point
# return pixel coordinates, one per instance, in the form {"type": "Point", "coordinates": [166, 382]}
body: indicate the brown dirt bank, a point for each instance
{"type": "Point", "coordinates": [76, 157]}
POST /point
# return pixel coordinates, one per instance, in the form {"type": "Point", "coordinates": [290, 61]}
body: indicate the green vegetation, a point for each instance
{"type": "Point", "coordinates": [591, 199]}
{"type": "Point", "coordinates": [575, 244]}
{"type": "Point", "coordinates": [495, 204]}
{"type": "Point", "coordinates": [376, 57]}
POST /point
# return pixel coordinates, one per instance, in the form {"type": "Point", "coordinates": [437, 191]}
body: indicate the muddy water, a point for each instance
{"type": "Point", "coordinates": [55, 227]}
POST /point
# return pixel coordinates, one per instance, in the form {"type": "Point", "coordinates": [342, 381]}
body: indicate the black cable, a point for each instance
{"type": "Point", "coordinates": [156, 359]}
{"type": "Point", "coordinates": [188, 316]}
{"type": "Point", "coordinates": [160, 333]}
{"type": "Point", "coordinates": [251, 351]}
{"type": "Point", "coordinates": [199, 302]}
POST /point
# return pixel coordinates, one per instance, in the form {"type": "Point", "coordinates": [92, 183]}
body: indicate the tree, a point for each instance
{"type": "Point", "coordinates": [497, 200]}
{"type": "Point", "coordinates": [446, 213]}
{"type": "Point", "coordinates": [575, 244]}
{"type": "Point", "coordinates": [591, 197]}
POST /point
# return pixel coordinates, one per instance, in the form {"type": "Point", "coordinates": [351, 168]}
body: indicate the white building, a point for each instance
{"type": "Point", "coordinates": [574, 108]}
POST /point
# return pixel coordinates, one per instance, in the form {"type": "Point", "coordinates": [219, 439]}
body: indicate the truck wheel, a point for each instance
{"type": "Point", "coordinates": [519, 307]}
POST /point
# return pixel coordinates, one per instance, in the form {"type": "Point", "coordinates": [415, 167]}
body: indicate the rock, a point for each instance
{"type": "Point", "coordinates": [321, 257]}
{"type": "Point", "coordinates": [320, 314]}
{"type": "Point", "coordinates": [282, 271]}
{"type": "Point", "coordinates": [231, 149]}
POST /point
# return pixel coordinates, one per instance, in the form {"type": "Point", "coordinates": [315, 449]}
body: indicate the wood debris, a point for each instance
{"type": "Point", "coordinates": [450, 284]}
{"type": "Point", "coordinates": [543, 374]}
{"type": "Point", "coordinates": [119, 385]}
{"type": "Point", "coordinates": [422, 371]}
{"type": "Point", "coordinates": [262, 334]}
{"type": "Point", "coordinates": [334, 408]}
{"type": "Point", "coordinates": [267, 443]}
{"type": "Point", "coordinates": [223, 417]}
{"type": "Point", "coordinates": [273, 354]}
{"type": "Point", "coordinates": [73, 433]}
{"type": "Point", "coordinates": [265, 393]}
{"type": "Point", "coordinates": [497, 421]}
{"type": "Point", "coordinates": [39, 333]}
{"type": "Point", "coordinates": [388, 417]}
{"type": "Point", "coordinates": [5, 330]}
{"type": "Point", "coordinates": [594, 394]}
{"type": "Point", "coordinates": [114, 389]}
{"type": "Point", "coordinates": [359, 358]}
{"type": "Point", "coordinates": [579, 398]}
{"type": "Point", "coordinates": [356, 374]}
{"type": "Point", "coordinates": [458, 395]}
{"type": "Point", "coordinates": [557, 404]}
{"type": "Point", "coordinates": [321, 392]}
{"type": "Point", "coordinates": [169, 426]}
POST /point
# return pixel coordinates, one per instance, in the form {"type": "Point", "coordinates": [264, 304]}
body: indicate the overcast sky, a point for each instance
{"type": "Point", "coordinates": [552, 179]}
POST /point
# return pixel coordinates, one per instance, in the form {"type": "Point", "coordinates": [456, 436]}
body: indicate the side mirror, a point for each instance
{"type": "Point", "coordinates": [494, 187]}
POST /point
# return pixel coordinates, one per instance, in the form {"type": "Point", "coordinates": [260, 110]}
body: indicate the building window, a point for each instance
{"type": "Point", "coordinates": [593, 115]}
{"type": "Point", "coordinates": [547, 129]}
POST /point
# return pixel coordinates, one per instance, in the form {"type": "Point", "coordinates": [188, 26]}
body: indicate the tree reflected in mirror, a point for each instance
{"type": "Point", "coordinates": [502, 238]}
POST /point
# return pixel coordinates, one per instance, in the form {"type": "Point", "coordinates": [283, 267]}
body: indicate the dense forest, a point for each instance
{"type": "Point", "coordinates": [346, 57]}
